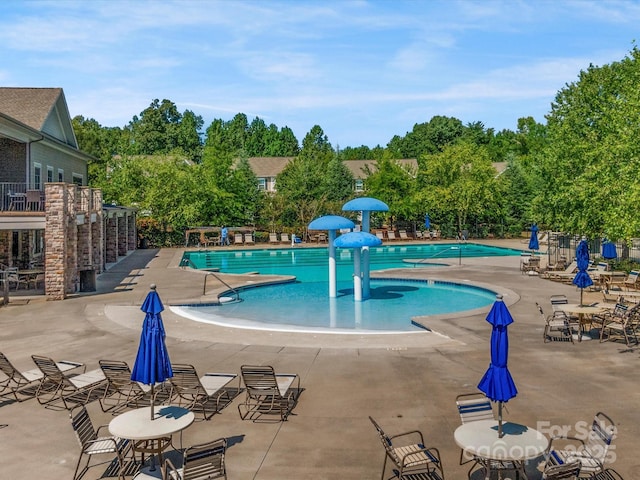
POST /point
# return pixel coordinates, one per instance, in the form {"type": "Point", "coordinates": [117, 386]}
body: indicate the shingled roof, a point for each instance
{"type": "Point", "coordinates": [30, 106]}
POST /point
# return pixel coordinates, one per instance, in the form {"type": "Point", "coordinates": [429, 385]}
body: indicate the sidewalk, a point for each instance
{"type": "Point", "coordinates": [404, 381]}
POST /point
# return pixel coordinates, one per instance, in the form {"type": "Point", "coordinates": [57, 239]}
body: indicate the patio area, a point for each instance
{"type": "Point", "coordinates": [404, 381]}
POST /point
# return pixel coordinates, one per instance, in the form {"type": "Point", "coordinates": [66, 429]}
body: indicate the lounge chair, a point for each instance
{"type": "Point", "coordinates": [248, 239]}
{"type": "Point", "coordinates": [57, 386]}
{"type": "Point", "coordinates": [206, 393]}
{"type": "Point", "coordinates": [562, 275]}
{"type": "Point", "coordinates": [121, 391]}
{"type": "Point", "coordinates": [612, 296]}
{"type": "Point", "coordinates": [206, 460]}
{"type": "Point", "coordinates": [622, 322]}
{"type": "Point", "coordinates": [471, 408]}
{"type": "Point", "coordinates": [591, 452]}
{"type": "Point", "coordinates": [631, 282]}
{"type": "Point", "coordinates": [237, 239]}
{"type": "Point", "coordinates": [418, 234]}
{"type": "Point", "coordinates": [531, 264]}
{"type": "Point", "coordinates": [284, 238]}
{"type": "Point", "coordinates": [568, 471]}
{"type": "Point", "coordinates": [558, 325]}
{"type": "Point", "coordinates": [411, 460]}
{"type": "Point", "coordinates": [273, 238]}
{"type": "Point", "coordinates": [91, 443]}
{"type": "Point", "coordinates": [380, 235]}
{"type": "Point", "coordinates": [24, 383]}
{"type": "Point", "coordinates": [268, 392]}
{"type": "Point", "coordinates": [391, 235]}
{"type": "Point", "coordinates": [403, 235]}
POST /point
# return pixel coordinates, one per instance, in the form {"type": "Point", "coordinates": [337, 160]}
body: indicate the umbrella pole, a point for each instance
{"type": "Point", "coordinates": [500, 434]}
{"type": "Point", "coordinates": [581, 292]}
{"type": "Point", "coordinates": [152, 415]}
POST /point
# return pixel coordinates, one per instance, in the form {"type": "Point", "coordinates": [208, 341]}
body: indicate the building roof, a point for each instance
{"type": "Point", "coordinates": [270, 167]}
{"type": "Point", "coordinates": [30, 106]}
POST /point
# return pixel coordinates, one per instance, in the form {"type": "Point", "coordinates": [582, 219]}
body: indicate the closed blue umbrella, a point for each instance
{"type": "Point", "coordinates": [609, 250]}
{"type": "Point", "coordinates": [582, 279]}
{"type": "Point", "coordinates": [427, 222]}
{"type": "Point", "coordinates": [152, 363]}
{"type": "Point", "coordinates": [533, 241]}
{"type": "Point", "coordinates": [497, 383]}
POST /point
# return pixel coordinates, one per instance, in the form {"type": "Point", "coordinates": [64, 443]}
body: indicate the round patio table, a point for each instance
{"type": "Point", "coordinates": [583, 312]}
{"type": "Point", "coordinates": [151, 436]}
{"type": "Point", "coordinates": [518, 443]}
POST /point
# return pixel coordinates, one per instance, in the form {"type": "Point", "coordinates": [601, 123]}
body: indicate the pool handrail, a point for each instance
{"type": "Point", "coordinates": [204, 287]}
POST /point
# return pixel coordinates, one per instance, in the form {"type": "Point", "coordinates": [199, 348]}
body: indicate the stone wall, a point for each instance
{"type": "Point", "coordinates": [80, 239]}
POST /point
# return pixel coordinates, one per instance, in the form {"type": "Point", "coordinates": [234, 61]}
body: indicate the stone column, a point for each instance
{"type": "Point", "coordinates": [97, 232]}
{"type": "Point", "coordinates": [55, 240]}
{"type": "Point", "coordinates": [111, 237]}
{"type": "Point", "coordinates": [72, 280]}
{"type": "Point", "coordinates": [122, 234]}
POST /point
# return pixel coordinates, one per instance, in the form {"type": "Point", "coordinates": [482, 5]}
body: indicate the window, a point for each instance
{"type": "Point", "coordinates": [359, 185]}
{"type": "Point", "coordinates": [262, 184]}
{"type": "Point", "coordinates": [60, 175]}
{"type": "Point", "coordinates": [76, 178]}
{"type": "Point", "coordinates": [37, 176]}
{"type": "Point", "coordinates": [49, 174]}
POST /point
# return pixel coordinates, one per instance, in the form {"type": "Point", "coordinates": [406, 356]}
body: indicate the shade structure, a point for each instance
{"type": "Point", "coordinates": [332, 223]}
{"type": "Point", "coordinates": [533, 241]}
{"type": "Point", "coordinates": [609, 250]}
{"type": "Point", "coordinates": [152, 363]}
{"type": "Point", "coordinates": [358, 241]}
{"type": "Point", "coordinates": [497, 383]}
{"type": "Point", "coordinates": [365, 205]}
{"type": "Point", "coordinates": [582, 279]}
{"type": "Point", "coordinates": [427, 222]}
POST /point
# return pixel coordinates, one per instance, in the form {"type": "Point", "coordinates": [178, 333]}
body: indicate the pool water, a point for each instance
{"type": "Point", "coordinates": [312, 264]}
{"type": "Point", "coordinates": [307, 306]}
{"type": "Point", "coordinates": [304, 305]}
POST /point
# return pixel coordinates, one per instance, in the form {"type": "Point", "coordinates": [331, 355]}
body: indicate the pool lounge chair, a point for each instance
{"type": "Point", "coordinates": [268, 392]}
{"type": "Point", "coordinates": [248, 239]}
{"type": "Point", "coordinates": [208, 394]}
{"type": "Point", "coordinates": [591, 452]}
{"type": "Point", "coordinates": [56, 386]}
{"type": "Point", "coordinates": [237, 239]}
{"type": "Point", "coordinates": [284, 238]}
{"type": "Point", "coordinates": [403, 235]}
{"type": "Point", "coordinates": [91, 443]}
{"type": "Point", "coordinates": [24, 383]}
{"type": "Point", "coordinates": [121, 391]}
{"type": "Point", "coordinates": [204, 461]}
{"type": "Point", "coordinates": [391, 235]}
{"type": "Point", "coordinates": [411, 460]}
{"type": "Point", "coordinates": [273, 238]}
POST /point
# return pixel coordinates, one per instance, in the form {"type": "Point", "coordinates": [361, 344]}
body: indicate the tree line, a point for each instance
{"type": "Point", "coordinates": [575, 173]}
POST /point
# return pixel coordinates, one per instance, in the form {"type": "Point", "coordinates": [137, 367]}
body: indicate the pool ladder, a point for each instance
{"type": "Point", "coordinates": [204, 287]}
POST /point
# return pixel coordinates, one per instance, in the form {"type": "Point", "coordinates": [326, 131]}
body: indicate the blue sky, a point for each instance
{"type": "Point", "coordinates": [362, 70]}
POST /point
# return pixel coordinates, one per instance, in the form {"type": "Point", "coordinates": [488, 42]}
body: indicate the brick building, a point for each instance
{"type": "Point", "coordinates": [54, 229]}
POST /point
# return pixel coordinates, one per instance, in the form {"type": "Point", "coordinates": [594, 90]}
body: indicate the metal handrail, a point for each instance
{"type": "Point", "coordinates": [204, 287]}
{"type": "Point", "coordinates": [425, 260]}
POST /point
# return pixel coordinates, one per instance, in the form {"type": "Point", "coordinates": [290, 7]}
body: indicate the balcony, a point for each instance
{"type": "Point", "coordinates": [20, 197]}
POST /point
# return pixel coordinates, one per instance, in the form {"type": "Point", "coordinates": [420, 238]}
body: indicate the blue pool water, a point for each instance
{"type": "Point", "coordinates": [312, 264]}
{"type": "Point", "coordinates": [305, 304]}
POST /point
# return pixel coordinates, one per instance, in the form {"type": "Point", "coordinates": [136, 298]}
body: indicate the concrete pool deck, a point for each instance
{"type": "Point", "coordinates": [403, 381]}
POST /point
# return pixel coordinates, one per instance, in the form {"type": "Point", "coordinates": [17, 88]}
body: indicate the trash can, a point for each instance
{"type": "Point", "coordinates": [88, 280]}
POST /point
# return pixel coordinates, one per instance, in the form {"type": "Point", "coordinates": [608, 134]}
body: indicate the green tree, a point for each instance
{"type": "Point", "coordinates": [457, 183]}
{"type": "Point", "coordinates": [592, 157]}
{"type": "Point", "coordinates": [392, 183]}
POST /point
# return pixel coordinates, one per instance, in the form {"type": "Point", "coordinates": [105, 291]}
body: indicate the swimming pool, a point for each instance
{"type": "Point", "coordinates": [311, 264]}
{"type": "Point", "coordinates": [304, 305]}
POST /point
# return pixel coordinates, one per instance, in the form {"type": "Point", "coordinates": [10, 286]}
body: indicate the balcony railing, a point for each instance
{"type": "Point", "coordinates": [20, 197]}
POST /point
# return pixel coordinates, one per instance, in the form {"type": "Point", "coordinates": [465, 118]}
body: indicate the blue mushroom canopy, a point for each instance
{"type": "Point", "coordinates": [365, 204]}
{"type": "Point", "coordinates": [331, 222]}
{"type": "Point", "coordinates": [357, 239]}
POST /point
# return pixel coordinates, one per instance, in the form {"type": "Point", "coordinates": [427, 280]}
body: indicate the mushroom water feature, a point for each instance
{"type": "Point", "coordinates": [358, 241]}
{"type": "Point", "coordinates": [365, 205]}
{"type": "Point", "coordinates": [332, 223]}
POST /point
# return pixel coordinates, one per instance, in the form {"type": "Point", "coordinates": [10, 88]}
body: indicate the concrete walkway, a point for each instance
{"type": "Point", "coordinates": [404, 381]}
